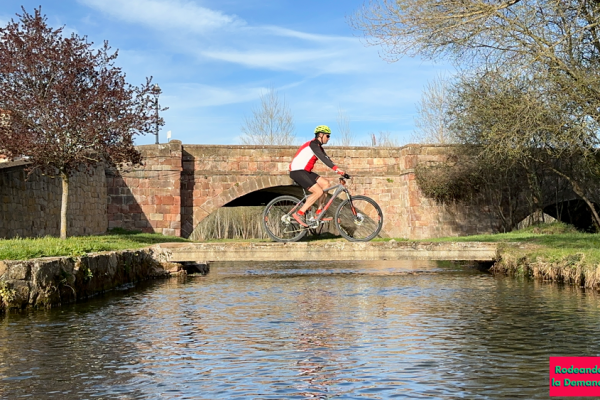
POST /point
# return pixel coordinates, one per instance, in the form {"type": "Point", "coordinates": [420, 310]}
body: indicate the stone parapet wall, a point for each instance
{"type": "Point", "coordinates": [30, 205]}
{"type": "Point", "coordinates": [148, 198]}
{"type": "Point", "coordinates": [180, 185]}
{"type": "Point", "coordinates": [215, 175]}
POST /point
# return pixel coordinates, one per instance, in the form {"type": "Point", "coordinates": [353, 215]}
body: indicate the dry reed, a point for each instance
{"type": "Point", "coordinates": [233, 223]}
{"type": "Point", "coordinates": [572, 269]}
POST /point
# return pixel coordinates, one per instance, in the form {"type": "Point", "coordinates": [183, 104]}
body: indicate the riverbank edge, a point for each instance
{"type": "Point", "coordinates": [54, 281]}
{"type": "Point", "coordinates": [518, 259]}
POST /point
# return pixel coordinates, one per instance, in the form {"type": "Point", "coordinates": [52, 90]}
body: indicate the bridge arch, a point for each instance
{"type": "Point", "coordinates": [236, 191]}
{"type": "Point", "coordinates": [573, 211]}
{"type": "Point", "coordinates": [567, 208]}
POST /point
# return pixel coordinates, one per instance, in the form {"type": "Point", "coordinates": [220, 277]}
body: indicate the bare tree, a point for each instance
{"type": "Point", "coordinates": [345, 136]}
{"type": "Point", "coordinates": [542, 59]}
{"type": "Point", "coordinates": [271, 123]}
{"type": "Point", "coordinates": [432, 114]}
{"type": "Point", "coordinates": [523, 120]}
{"type": "Point", "coordinates": [69, 108]}
{"type": "Point", "coordinates": [383, 139]}
{"type": "Point", "coordinates": [561, 37]}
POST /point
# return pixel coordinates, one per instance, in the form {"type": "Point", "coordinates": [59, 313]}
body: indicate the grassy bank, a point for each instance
{"type": "Point", "coordinates": [554, 252]}
{"type": "Point", "coordinates": [24, 249]}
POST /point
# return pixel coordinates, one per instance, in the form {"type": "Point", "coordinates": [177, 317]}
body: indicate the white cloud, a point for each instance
{"type": "Point", "coordinates": [192, 95]}
{"type": "Point", "coordinates": [305, 36]}
{"type": "Point", "coordinates": [166, 15]}
{"type": "Point", "coordinates": [212, 66]}
{"type": "Point", "coordinates": [275, 60]}
{"type": "Point", "coordinates": [210, 34]}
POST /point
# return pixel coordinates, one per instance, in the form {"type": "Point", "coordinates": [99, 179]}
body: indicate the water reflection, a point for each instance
{"type": "Point", "coordinates": [373, 330]}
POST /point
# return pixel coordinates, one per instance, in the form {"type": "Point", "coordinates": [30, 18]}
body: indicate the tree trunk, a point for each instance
{"type": "Point", "coordinates": [63, 205]}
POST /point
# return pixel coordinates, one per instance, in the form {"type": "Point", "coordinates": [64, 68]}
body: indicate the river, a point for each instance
{"type": "Point", "coordinates": [347, 330]}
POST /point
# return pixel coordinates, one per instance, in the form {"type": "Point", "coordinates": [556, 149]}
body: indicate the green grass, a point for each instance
{"type": "Point", "coordinates": [552, 242]}
{"type": "Point", "coordinates": [116, 239]}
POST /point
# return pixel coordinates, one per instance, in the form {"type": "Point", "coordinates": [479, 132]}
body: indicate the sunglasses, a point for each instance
{"type": "Point", "coordinates": [327, 136]}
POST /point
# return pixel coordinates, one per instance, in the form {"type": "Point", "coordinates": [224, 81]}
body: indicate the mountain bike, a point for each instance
{"type": "Point", "coordinates": [357, 218]}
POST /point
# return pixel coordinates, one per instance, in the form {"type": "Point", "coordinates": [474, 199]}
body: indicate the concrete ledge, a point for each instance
{"type": "Point", "coordinates": [337, 251]}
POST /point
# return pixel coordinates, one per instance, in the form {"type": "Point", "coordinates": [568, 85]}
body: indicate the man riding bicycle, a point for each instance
{"type": "Point", "coordinates": [301, 171]}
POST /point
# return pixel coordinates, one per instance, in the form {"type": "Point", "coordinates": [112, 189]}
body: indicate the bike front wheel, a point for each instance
{"type": "Point", "coordinates": [359, 219]}
{"type": "Point", "coordinates": [278, 222]}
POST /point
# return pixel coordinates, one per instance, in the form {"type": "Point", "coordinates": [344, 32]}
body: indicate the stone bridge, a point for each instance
{"type": "Point", "coordinates": [182, 184]}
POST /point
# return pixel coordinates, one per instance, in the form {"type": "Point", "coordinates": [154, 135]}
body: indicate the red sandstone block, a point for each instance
{"type": "Point", "coordinates": [170, 217]}
{"type": "Point", "coordinates": [160, 200]}
{"type": "Point", "coordinates": [175, 225]}
{"type": "Point", "coordinates": [127, 200]}
{"type": "Point", "coordinates": [162, 209]}
{"type": "Point", "coordinates": [143, 223]}
{"type": "Point", "coordinates": [160, 224]}
{"type": "Point", "coordinates": [415, 216]}
{"type": "Point", "coordinates": [414, 199]}
{"type": "Point", "coordinates": [175, 209]}
{"type": "Point", "coordinates": [148, 209]}
{"type": "Point", "coordinates": [148, 230]}
{"type": "Point", "coordinates": [134, 208]}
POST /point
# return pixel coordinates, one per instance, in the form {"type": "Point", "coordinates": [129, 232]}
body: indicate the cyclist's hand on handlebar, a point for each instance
{"type": "Point", "coordinates": [343, 174]}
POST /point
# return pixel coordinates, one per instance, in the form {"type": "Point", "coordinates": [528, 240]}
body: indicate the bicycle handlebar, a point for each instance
{"type": "Point", "coordinates": [345, 176]}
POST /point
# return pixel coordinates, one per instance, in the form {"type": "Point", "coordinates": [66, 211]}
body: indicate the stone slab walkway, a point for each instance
{"type": "Point", "coordinates": [328, 250]}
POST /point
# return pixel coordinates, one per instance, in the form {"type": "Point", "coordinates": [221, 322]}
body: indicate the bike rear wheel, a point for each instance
{"type": "Point", "coordinates": [278, 222]}
{"type": "Point", "coordinates": [359, 219]}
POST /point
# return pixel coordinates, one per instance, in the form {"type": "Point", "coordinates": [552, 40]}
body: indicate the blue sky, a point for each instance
{"type": "Point", "coordinates": [214, 58]}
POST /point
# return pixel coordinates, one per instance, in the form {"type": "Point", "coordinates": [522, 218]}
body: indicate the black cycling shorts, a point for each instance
{"type": "Point", "coordinates": [304, 178]}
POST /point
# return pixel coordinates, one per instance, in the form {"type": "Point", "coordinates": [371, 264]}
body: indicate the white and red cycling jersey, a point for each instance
{"type": "Point", "coordinates": [307, 156]}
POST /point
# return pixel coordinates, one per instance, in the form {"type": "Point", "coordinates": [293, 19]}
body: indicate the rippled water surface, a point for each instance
{"type": "Point", "coordinates": [369, 330]}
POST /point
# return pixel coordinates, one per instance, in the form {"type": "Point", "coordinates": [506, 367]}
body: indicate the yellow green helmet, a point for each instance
{"type": "Point", "coordinates": [322, 129]}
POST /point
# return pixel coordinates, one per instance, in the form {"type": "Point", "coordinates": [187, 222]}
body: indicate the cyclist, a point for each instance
{"type": "Point", "coordinates": [301, 171]}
